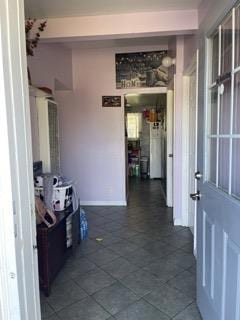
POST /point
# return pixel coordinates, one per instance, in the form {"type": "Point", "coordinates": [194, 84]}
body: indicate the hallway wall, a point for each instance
{"type": "Point", "coordinates": [98, 144]}
{"type": "Point", "coordinates": [51, 66]}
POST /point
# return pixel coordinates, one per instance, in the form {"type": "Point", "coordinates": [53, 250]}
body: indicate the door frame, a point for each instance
{"type": "Point", "coordinates": [159, 90]}
{"type": "Point", "coordinates": [169, 148]}
{"type": "Point", "coordinates": [193, 67]}
{"type": "Point", "coordinates": [19, 289]}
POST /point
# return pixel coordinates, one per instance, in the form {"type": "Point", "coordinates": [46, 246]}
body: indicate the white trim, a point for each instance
{"type": "Point", "coordinates": [127, 91]}
{"type": "Point", "coordinates": [185, 151]}
{"type": "Point", "coordinates": [178, 222]}
{"type": "Point", "coordinates": [104, 203]}
{"type": "Point", "coordinates": [193, 67]}
{"type": "Point", "coordinates": [169, 149]}
{"type": "Point", "coordinates": [232, 103]}
{"type": "Point", "coordinates": [19, 291]}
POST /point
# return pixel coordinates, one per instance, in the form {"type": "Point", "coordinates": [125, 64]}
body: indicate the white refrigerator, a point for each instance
{"type": "Point", "coordinates": [156, 170]}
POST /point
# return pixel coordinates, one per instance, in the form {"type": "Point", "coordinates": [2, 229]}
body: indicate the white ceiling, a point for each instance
{"type": "Point", "coordinates": [64, 8]}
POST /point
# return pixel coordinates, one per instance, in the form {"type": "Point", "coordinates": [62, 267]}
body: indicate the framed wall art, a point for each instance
{"type": "Point", "coordinates": [141, 70]}
{"type": "Point", "coordinates": [111, 101]}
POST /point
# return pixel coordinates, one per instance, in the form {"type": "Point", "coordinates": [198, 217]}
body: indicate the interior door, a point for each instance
{"type": "Point", "coordinates": [218, 211]}
{"type": "Point", "coordinates": [169, 149]}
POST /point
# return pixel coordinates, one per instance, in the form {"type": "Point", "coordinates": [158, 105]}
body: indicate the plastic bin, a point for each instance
{"type": "Point", "coordinates": [62, 196]}
{"type": "Point", "coordinates": [144, 167]}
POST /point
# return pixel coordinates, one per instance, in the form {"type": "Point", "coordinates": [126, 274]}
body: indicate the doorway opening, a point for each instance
{"type": "Point", "coordinates": [146, 140]}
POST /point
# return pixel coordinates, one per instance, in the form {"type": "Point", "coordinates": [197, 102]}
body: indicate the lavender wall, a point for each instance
{"type": "Point", "coordinates": [51, 66]}
{"type": "Point", "coordinates": [92, 136]}
{"type": "Point", "coordinates": [92, 141]}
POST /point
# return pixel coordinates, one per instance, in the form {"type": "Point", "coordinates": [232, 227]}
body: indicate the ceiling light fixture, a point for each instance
{"type": "Point", "coordinates": [168, 61]}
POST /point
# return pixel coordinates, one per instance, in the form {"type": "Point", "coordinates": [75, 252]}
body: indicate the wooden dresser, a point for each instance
{"type": "Point", "coordinates": [52, 246]}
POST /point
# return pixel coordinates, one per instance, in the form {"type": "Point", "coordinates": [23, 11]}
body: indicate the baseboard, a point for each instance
{"type": "Point", "coordinates": [103, 203]}
{"type": "Point", "coordinates": [178, 222]}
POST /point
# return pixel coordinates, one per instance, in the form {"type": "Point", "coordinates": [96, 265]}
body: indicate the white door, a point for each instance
{"type": "Point", "coordinates": [218, 211]}
{"type": "Point", "coordinates": [169, 149]}
{"type": "Point", "coordinates": [19, 292]}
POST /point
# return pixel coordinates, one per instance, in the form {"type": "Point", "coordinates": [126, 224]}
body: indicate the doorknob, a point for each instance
{"type": "Point", "coordinates": [170, 155]}
{"type": "Point", "coordinates": [195, 196]}
{"type": "Point", "coordinates": [198, 175]}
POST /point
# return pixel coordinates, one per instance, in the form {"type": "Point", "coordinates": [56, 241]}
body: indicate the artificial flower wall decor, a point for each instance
{"type": "Point", "coordinates": [33, 31]}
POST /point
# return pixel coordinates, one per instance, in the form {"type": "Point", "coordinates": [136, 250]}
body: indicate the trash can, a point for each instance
{"type": "Point", "coordinates": [144, 167]}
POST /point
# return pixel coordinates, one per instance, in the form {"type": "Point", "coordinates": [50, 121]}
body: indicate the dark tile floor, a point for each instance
{"type": "Point", "coordinates": [140, 268]}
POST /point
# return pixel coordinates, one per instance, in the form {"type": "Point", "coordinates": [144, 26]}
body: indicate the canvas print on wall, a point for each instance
{"type": "Point", "coordinates": [141, 69]}
{"type": "Point", "coordinates": [111, 101]}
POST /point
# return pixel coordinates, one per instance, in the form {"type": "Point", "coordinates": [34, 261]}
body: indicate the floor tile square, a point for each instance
{"type": "Point", "coordinates": [123, 247]}
{"type": "Point", "coordinates": [181, 259]}
{"type": "Point", "coordinates": [141, 240]}
{"type": "Point", "coordinates": [119, 268]}
{"type": "Point", "coordinates": [163, 270]}
{"type": "Point", "coordinates": [190, 313]}
{"type": "Point", "coordinates": [141, 282]}
{"type": "Point", "coordinates": [188, 248]}
{"type": "Point", "coordinates": [140, 257]}
{"type": "Point", "coordinates": [65, 294]}
{"type": "Point", "coordinates": [88, 246]}
{"type": "Point", "coordinates": [46, 310]}
{"type": "Point", "coordinates": [74, 268]}
{"type": "Point", "coordinates": [102, 256]}
{"type": "Point", "coordinates": [125, 233]}
{"type": "Point", "coordinates": [96, 232]}
{"type": "Point", "coordinates": [108, 239]}
{"type": "Point", "coordinates": [112, 226]}
{"type": "Point", "coordinates": [94, 281]}
{"type": "Point", "coordinates": [115, 298]}
{"type": "Point", "coordinates": [192, 269]}
{"type": "Point", "coordinates": [141, 310]}
{"type": "Point", "coordinates": [159, 249]}
{"type": "Point", "coordinates": [184, 282]}
{"type": "Point", "coordinates": [86, 309]}
{"type": "Point", "coordinates": [168, 300]}
{"type": "Point", "coordinates": [53, 317]}
{"type": "Point", "coordinates": [177, 240]}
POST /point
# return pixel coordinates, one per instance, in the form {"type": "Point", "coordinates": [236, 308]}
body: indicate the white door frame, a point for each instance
{"type": "Point", "coordinates": [19, 291]}
{"type": "Point", "coordinates": [169, 149]}
{"type": "Point", "coordinates": [193, 67]}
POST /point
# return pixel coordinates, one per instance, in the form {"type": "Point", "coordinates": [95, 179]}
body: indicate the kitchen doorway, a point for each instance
{"type": "Point", "coordinates": [146, 140]}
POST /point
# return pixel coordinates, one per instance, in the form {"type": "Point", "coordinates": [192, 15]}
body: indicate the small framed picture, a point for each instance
{"type": "Point", "coordinates": [111, 101]}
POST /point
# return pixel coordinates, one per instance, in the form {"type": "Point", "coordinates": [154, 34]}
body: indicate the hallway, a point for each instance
{"type": "Point", "coordinates": [134, 265]}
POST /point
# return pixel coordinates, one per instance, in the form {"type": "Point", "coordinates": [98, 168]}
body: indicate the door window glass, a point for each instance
{"type": "Point", "coordinates": [226, 46]}
{"type": "Point", "coordinates": [223, 169]}
{"type": "Point", "coordinates": [237, 37]}
{"type": "Point", "coordinates": [224, 107]}
{"type": "Point", "coordinates": [215, 56]}
{"type": "Point", "coordinates": [212, 159]}
{"type": "Point", "coordinates": [236, 168]}
{"type": "Point", "coordinates": [236, 105]}
{"type": "Point", "coordinates": [214, 110]}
